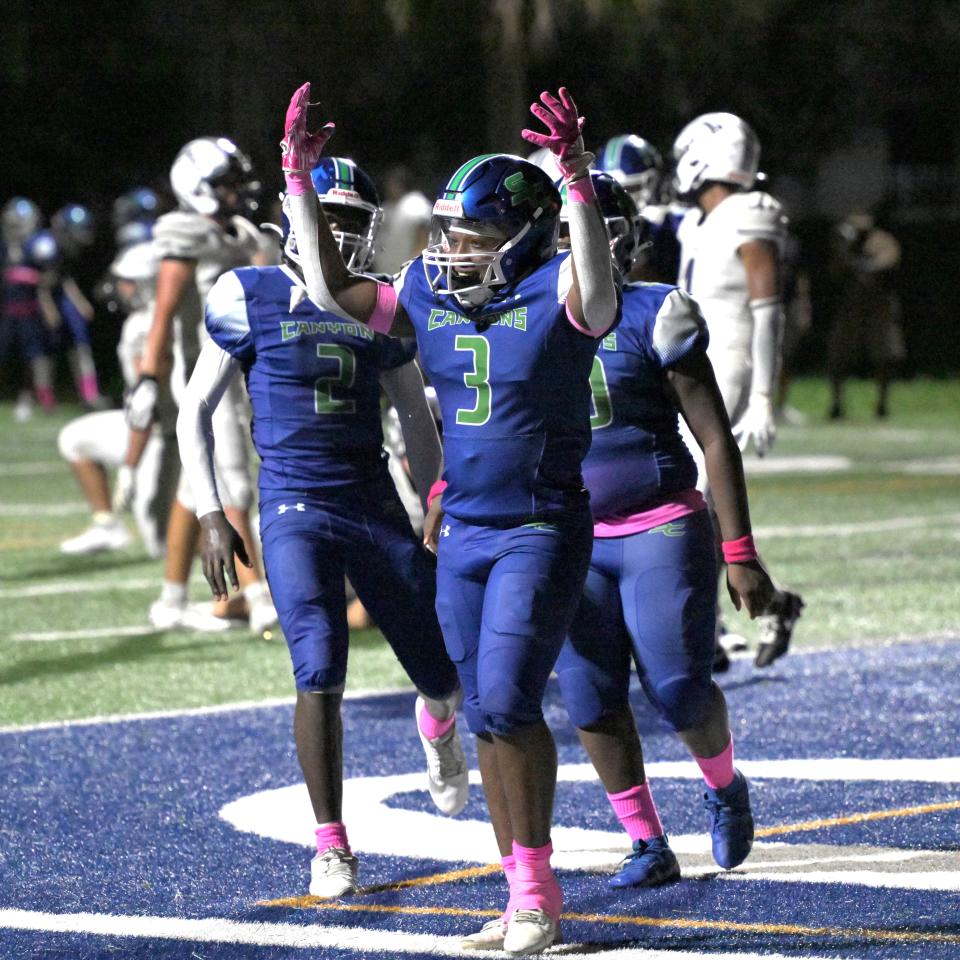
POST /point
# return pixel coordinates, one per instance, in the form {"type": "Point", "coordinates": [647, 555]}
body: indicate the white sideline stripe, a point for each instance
{"type": "Point", "coordinates": [304, 936]}
{"type": "Point", "coordinates": [822, 463]}
{"type": "Point", "coordinates": [78, 586]}
{"type": "Point", "coordinates": [29, 469]}
{"type": "Point", "coordinates": [137, 630]}
{"type": "Point", "coordinates": [234, 707]}
{"type": "Point", "coordinates": [43, 509]}
{"type": "Point", "coordinates": [852, 529]}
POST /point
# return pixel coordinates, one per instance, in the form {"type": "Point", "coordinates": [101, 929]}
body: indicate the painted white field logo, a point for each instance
{"type": "Point", "coordinates": [284, 814]}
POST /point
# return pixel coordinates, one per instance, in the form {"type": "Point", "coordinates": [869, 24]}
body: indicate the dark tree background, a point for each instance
{"type": "Point", "coordinates": [96, 97]}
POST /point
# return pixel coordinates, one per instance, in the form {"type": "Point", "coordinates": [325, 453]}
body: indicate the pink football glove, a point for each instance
{"type": "Point", "coordinates": [564, 140]}
{"type": "Point", "coordinates": [301, 149]}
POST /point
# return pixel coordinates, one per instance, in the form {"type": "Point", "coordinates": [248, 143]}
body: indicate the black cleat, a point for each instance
{"type": "Point", "coordinates": [776, 627]}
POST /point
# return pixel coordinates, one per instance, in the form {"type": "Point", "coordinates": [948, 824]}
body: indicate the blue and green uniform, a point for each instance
{"type": "Point", "coordinates": [649, 596]}
{"type": "Point", "coordinates": [513, 384]}
{"type": "Point", "coordinates": [327, 504]}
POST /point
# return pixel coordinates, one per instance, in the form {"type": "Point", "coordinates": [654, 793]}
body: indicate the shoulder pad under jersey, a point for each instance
{"type": "Point", "coordinates": [677, 327]}
{"type": "Point", "coordinates": [183, 235]}
{"type": "Point", "coordinates": [757, 215]}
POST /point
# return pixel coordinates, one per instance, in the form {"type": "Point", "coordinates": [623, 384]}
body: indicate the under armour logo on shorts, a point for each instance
{"type": "Point", "coordinates": [283, 508]}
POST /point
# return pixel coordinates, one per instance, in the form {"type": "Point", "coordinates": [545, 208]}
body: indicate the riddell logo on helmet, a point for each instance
{"type": "Point", "coordinates": [346, 194]}
{"type": "Point", "coordinates": [448, 208]}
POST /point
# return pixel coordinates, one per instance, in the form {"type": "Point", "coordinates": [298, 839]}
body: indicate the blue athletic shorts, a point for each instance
{"type": "Point", "coordinates": [310, 543]}
{"type": "Point", "coordinates": [505, 598]}
{"type": "Point", "coordinates": [652, 595]}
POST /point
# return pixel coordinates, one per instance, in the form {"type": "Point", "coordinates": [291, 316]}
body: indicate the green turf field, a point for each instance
{"type": "Point", "coordinates": [862, 517]}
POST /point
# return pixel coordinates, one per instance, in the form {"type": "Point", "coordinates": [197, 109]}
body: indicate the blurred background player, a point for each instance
{"type": "Point", "coordinates": [327, 502]}
{"type": "Point", "coordinates": [72, 227]}
{"type": "Point", "coordinates": [406, 223]}
{"type": "Point", "coordinates": [650, 593]}
{"type": "Point", "coordinates": [28, 313]}
{"type": "Point", "coordinates": [96, 441]}
{"type": "Point", "coordinates": [214, 184]}
{"type": "Point", "coordinates": [637, 165]}
{"type": "Point", "coordinates": [867, 321]}
{"type": "Point", "coordinates": [133, 216]}
{"type": "Point", "coordinates": [731, 244]}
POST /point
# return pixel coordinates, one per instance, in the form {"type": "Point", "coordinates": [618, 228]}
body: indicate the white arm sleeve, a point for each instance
{"type": "Point", "coordinates": [305, 213]}
{"type": "Point", "coordinates": [211, 376]}
{"type": "Point", "coordinates": [590, 250]}
{"type": "Point", "coordinates": [767, 339]}
{"type": "Point", "coordinates": [404, 387]}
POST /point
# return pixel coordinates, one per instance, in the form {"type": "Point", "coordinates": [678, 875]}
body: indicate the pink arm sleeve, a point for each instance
{"type": "Point", "coordinates": [381, 320]}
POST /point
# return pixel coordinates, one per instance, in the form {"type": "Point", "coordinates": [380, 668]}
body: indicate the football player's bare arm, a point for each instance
{"type": "Point", "coordinates": [174, 278]}
{"type": "Point", "coordinates": [698, 398]}
{"type": "Point", "coordinates": [761, 261]}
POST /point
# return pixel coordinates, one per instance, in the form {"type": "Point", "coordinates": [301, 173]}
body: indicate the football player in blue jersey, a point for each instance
{"type": "Point", "coordinates": [650, 593]}
{"type": "Point", "coordinates": [327, 503]}
{"type": "Point", "coordinates": [637, 165]}
{"type": "Point", "coordinates": [507, 332]}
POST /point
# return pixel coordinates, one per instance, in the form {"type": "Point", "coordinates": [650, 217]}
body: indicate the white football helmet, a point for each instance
{"type": "Point", "coordinates": [715, 146]}
{"type": "Point", "coordinates": [204, 167]}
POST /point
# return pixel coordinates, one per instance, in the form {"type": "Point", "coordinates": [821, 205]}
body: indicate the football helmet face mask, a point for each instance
{"type": "Point", "coordinates": [634, 163]}
{"type": "Point", "coordinates": [718, 147]}
{"type": "Point", "coordinates": [352, 207]}
{"type": "Point", "coordinates": [494, 222]}
{"type": "Point", "coordinates": [626, 228]}
{"type": "Point", "coordinates": [20, 218]}
{"type": "Point", "coordinates": [212, 176]}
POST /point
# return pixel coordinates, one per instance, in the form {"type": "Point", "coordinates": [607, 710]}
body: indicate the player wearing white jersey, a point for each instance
{"type": "Point", "coordinates": [731, 245]}
{"type": "Point", "coordinates": [93, 442]}
{"type": "Point", "coordinates": [213, 182]}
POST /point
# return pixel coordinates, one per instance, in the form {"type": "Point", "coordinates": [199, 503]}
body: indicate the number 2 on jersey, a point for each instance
{"type": "Point", "coordinates": [324, 400]}
{"type": "Point", "coordinates": [477, 379]}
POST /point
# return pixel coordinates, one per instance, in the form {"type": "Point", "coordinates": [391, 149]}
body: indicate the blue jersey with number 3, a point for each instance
{"type": "Point", "coordinates": [313, 379]}
{"type": "Point", "coordinates": [514, 392]}
{"type": "Point", "coordinates": [638, 455]}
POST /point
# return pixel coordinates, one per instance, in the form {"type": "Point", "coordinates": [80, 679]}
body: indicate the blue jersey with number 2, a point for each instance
{"type": "Point", "coordinates": [514, 389]}
{"type": "Point", "coordinates": [312, 376]}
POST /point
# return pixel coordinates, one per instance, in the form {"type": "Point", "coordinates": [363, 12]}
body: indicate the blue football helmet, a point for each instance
{"type": "Point", "coordinates": [73, 226]}
{"type": "Point", "coordinates": [352, 207]}
{"type": "Point", "coordinates": [634, 163]}
{"type": "Point", "coordinates": [627, 229]}
{"type": "Point", "coordinates": [508, 202]}
{"type": "Point", "coordinates": [134, 213]}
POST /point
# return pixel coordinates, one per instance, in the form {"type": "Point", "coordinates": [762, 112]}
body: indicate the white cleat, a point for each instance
{"type": "Point", "coordinates": [489, 937]}
{"type": "Point", "coordinates": [263, 616]}
{"type": "Point", "coordinates": [447, 774]}
{"type": "Point", "coordinates": [333, 873]}
{"type": "Point", "coordinates": [98, 538]}
{"type": "Point", "coordinates": [731, 642]}
{"type": "Point", "coordinates": [530, 931]}
{"type": "Point", "coordinates": [174, 616]}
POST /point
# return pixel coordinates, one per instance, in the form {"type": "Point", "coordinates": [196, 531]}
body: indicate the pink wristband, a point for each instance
{"type": "Point", "coordinates": [435, 492]}
{"type": "Point", "coordinates": [739, 551]}
{"type": "Point", "coordinates": [298, 182]}
{"type": "Point", "coordinates": [581, 191]}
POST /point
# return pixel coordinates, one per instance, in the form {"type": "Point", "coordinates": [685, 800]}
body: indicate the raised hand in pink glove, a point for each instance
{"type": "Point", "coordinates": [564, 138]}
{"type": "Point", "coordinates": [301, 149]}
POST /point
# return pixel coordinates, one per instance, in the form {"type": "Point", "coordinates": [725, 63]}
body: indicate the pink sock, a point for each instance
{"type": "Point", "coordinates": [46, 397]}
{"type": "Point", "coordinates": [89, 390]}
{"type": "Point", "coordinates": [430, 726]}
{"type": "Point", "coordinates": [332, 834]}
{"type": "Point", "coordinates": [637, 812]}
{"type": "Point", "coordinates": [509, 864]}
{"type": "Point", "coordinates": [718, 771]}
{"type": "Point", "coordinates": [534, 886]}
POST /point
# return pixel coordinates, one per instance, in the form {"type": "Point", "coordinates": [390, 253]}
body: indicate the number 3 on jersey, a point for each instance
{"type": "Point", "coordinates": [324, 400]}
{"type": "Point", "coordinates": [477, 379]}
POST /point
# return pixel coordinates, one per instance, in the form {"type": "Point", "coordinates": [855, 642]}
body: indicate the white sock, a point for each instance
{"type": "Point", "coordinates": [174, 593]}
